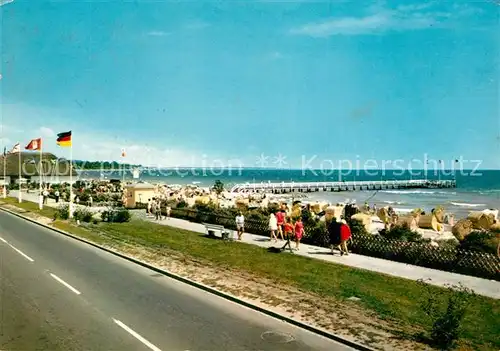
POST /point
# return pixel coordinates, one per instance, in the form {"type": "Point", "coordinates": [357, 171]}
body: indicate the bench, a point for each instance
{"type": "Point", "coordinates": [211, 229]}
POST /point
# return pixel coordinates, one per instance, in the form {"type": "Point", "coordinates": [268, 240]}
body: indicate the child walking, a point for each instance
{"type": "Point", "coordinates": [299, 232]}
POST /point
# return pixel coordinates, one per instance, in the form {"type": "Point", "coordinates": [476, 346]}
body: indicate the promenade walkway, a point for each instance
{"type": "Point", "coordinates": [485, 287]}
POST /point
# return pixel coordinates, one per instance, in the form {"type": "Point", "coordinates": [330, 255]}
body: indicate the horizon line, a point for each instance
{"type": "Point", "coordinates": [297, 169]}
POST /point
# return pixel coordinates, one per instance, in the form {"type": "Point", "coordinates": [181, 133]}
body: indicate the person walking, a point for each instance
{"type": "Point", "coordinates": [280, 219]}
{"type": "Point", "coordinates": [299, 232]}
{"type": "Point", "coordinates": [345, 235]}
{"type": "Point", "coordinates": [45, 195]}
{"type": "Point", "coordinates": [57, 195]}
{"type": "Point", "coordinates": [158, 210]}
{"type": "Point", "coordinates": [334, 234]}
{"type": "Point", "coordinates": [288, 229]}
{"type": "Point", "coordinates": [240, 224]}
{"type": "Point", "coordinates": [91, 201]}
{"type": "Point", "coordinates": [169, 211]}
{"type": "Point", "coordinates": [153, 208]}
{"type": "Point", "coordinates": [149, 207]}
{"type": "Point", "coordinates": [273, 227]}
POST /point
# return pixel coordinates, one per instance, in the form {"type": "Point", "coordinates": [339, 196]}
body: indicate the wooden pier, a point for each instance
{"type": "Point", "coordinates": [308, 187]}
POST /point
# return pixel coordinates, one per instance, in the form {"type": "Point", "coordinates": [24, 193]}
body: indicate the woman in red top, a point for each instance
{"type": "Point", "coordinates": [345, 235]}
{"type": "Point", "coordinates": [280, 218]}
{"type": "Point", "coordinates": [299, 232]}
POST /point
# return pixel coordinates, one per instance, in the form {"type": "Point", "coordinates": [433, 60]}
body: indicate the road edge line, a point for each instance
{"type": "Point", "coordinates": [203, 287]}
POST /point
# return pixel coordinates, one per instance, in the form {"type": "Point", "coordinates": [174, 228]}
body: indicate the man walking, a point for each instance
{"type": "Point", "coordinates": [158, 210]}
{"type": "Point", "coordinates": [240, 224]}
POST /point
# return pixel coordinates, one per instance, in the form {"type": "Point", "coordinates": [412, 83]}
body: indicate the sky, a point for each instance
{"type": "Point", "coordinates": [253, 83]}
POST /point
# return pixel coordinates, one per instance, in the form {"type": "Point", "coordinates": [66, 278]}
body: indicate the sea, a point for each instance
{"type": "Point", "coordinates": [476, 190]}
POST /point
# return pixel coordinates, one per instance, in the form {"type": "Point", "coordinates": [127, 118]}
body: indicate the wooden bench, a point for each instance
{"type": "Point", "coordinates": [212, 229]}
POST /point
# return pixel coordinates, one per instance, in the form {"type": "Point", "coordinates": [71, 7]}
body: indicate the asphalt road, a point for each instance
{"type": "Point", "coordinates": [60, 294]}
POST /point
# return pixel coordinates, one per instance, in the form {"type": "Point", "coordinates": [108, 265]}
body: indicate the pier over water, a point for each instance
{"type": "Point", "coordinates": [307, 187]}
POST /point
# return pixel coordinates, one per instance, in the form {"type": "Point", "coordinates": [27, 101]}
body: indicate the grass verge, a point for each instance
{"type": "Point", "coordinates": [393, 299]}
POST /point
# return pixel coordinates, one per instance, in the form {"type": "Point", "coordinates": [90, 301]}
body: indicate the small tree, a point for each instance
{"type": "Point", "coordinates": [218, 187]}
{"type": "Point", "coordinates": [446, 309]}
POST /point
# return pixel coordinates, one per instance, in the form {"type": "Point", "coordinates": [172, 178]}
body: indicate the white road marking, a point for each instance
{"type": "Point", "coordinates": [22, 254]}
{"type": "Point", "coordinates": [137, 336]}
{"type": "Point", "coordinates": [5, 241]}
{"type": "Point", "coordinates": [65, 284]}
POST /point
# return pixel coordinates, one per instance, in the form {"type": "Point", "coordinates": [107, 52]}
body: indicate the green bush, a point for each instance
{"type": "Point", "coordinates": [83, 215]}
{"type": "Point", "coordinates": [257, 216]}
{"type": "Point", "coordinates": [449, 244]}
{"type": "Point", "coordinates": [272, 208]}
{"type": "Point", "coordinates": [308, 218]}
{"type": "Point", "coordinates": [116, 215]}
{"type": "Point", "coordinates": [121, 215]}
{"type": "Point", "coordinates": [446, 311]}
{"type": "Point", "coordinates": [481, 241]}
{"type": "Point", "coordinates": [182, 204]}
{"type": "Point", "coordinates": [62, 212]}
{"type": "Point", "coordinates": [105, 216]}
{"type": "Point", "coordinates": [402, 233]}
{"type": "Point", "coordinates": [357, 227]}
{"type": "Point", "coordinates": [85, 196]}
{"type": "Point", "coordinates": [316, 234]}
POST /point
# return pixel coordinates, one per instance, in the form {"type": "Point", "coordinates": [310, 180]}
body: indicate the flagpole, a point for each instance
{"type": "Point", "coordinates": [123, 167]}
{"type": "Point", "coordinates": [4, 174]}
{"type": "Point", "coordinates": [40, 205]}
{"type": "Point", "coordinates": [71, 178]}
{"type": "Point", "coordinates": [20, 198]}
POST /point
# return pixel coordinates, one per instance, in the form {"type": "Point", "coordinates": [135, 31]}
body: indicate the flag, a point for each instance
{"type": "Point", "coordinates": [4, 151]}
{"type": "Point", "coordinates": [16, 149]}
{"type": "Point", "coordinates": [64, 139]}
{"type": "Point", "coordinates": [123, 153]}
{"type": "Point", "coordinates": [35, 144]}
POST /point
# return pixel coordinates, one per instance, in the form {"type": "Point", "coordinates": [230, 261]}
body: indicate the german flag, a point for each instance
{"type": "Point", "coordinates": [64, 139]}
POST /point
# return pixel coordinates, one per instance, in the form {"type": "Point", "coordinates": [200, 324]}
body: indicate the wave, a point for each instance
{"type": "Point", "coordinates": [403, 210]}
{"type": "Point", "coordinates": [408, 192]}
{"type": "Point", "coordinates": [394, 202]}
{"type": "Point", "coordinates": [447, 192]}
{"type": "Point", "coordinates": [462, 204]}
{"type": "Point", "coordinates": [492, 191]}
{"type": "Point", "coordinates": [423, 192]}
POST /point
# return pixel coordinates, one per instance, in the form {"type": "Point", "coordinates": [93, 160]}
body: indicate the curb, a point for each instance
{"type": "Point", "coordinates": [205, 288]}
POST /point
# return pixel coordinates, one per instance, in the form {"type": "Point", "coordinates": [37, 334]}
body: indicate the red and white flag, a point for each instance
{"type": "Point", "coordinates": [35, 144]}
{"type": "Point", "coordinates": [16, 149]}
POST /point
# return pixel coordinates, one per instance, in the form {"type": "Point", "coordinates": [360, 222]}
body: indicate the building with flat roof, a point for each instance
{"type": "Point", "coordinates": [138, 193]}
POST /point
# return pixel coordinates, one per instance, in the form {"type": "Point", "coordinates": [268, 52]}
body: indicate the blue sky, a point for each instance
{"type": "Point", "coordinates": [182, 83]}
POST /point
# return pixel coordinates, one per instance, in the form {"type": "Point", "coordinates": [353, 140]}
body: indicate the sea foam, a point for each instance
{"type": "Point", "coordinates": [394, 202]}
{"type": "Point", "coordinates": [408, 192]}
{"type": "Point", "coordinates": [462, 204]}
